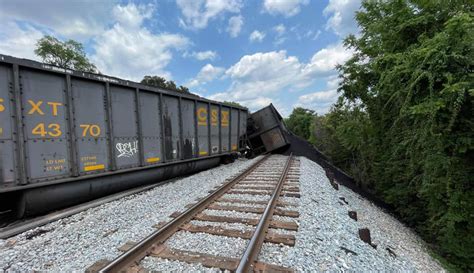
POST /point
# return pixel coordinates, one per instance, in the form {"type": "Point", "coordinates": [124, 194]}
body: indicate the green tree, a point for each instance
{"type": "Point", "coordinates": [156, 81]}
{"type": "Point", "coordinates": [161, 82]}
{"type": "Point", "coordinates": [69, 54]}
{"type": "Point", "coordinates": [299, 122]}
{"type": "Point", "coordinates": [409, 88]}
{"type": "Point", "coordinates": [233, 103]}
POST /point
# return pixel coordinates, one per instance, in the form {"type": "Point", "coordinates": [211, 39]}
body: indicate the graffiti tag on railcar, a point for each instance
{"type": "Point", "coordinates": [127, 149]}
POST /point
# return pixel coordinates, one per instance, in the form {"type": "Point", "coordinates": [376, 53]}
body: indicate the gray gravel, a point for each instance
{"type": "Point", "coordinates": [163, 265]}
{"type": "Point", "coordinates": [238, 226]}
{"type": "Point", "coordinates": [207, 243]}
{"type": "Point", "coordinates": [325, 227]}
{"type": "Point", "coordinates": [232, 213]}
{"type": "Point", "coordinates": [248, 197]}
{"type": "Point", "coordinates": [76, 242]}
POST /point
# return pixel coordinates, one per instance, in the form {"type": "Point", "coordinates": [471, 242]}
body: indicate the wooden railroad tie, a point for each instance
{"type": "Point", "coordinates": [271, 237]}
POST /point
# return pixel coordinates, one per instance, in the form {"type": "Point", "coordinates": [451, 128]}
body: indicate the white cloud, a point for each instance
{"type": "Point", "coordinates": [19, 42]}
{"type": "Point", "coordinates": [286, 8]}
{"type": "Point", "coordinates": [256, 36]}
{"type": "Point", "coordinates": [80, 20]}
{"type": "Point", "coordinates": [203, 55]}
{"type": "Point", "coordinates": [313, 35]}
{"type": "Point", "coordinates": [325, 60]}
{"type": "Point", "coordinates": [342, 16]}
{"type": "Point", "coordinates": [198, 13]}
{"type": "Point", "coordinates": [205, 75]}
{"type": "Point", "coordinates": [320, 101]}
{"type": "Point", "coordinates": [279, 29]}
{"type": "Point", "coordinates": [132, 15]}
{"type": "Point", "coordinates": [235, 25]}
{"type": "Point", "coordinates": [256, 78]}
{"type": "Point", "coordinates": [130, 50]}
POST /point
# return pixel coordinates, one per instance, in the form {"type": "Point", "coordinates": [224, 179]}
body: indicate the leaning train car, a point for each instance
{"type": "Point", "coordinates": [67, 136]}
{"type": "Point", "coordinates": [266, 130]}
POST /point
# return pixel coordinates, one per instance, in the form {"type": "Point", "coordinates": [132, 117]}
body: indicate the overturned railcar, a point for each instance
{"type": "Point", "coordinates": [266, 130]}
{"type": "Point", "coordinates": [68, 137]}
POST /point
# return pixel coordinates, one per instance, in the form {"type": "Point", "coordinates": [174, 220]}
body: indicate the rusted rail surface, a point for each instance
{"type": "Point", "coordinates": [154, 244]}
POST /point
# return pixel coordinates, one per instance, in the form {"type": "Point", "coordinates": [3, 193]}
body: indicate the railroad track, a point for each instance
{"type": "Point", "coordinates": [270, 178]}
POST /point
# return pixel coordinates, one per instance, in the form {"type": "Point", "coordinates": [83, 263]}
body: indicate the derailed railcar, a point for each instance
{"type": "Point", "coordinates": [266, 130]}
{"type": "Point", "coordinates": [68, 136]}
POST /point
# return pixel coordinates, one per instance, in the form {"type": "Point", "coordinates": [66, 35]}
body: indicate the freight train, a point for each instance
{"type": "Point", "coordinates": [67, 136]}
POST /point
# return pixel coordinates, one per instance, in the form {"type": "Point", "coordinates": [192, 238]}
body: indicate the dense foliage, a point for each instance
{"type": "Point", "coordinates": [403, 126]}
{"type": "Point", "coordinates": [161, 82]}
{"type": "Point", "coordinates": [69, 54]}
{"type": "Point", "coordinates": [299, 122]}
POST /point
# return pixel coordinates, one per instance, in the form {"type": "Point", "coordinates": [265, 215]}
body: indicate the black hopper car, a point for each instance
{"type": "Point", "coordinates": [67, 137]}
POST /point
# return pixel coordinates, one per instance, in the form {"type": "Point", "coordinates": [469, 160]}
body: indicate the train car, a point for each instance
{"type": "Point", "coordinates": [266, 130]}
{"type": "Point", "coordinates": [68, 136]}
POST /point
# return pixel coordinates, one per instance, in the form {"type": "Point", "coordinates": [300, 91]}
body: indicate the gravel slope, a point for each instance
{"type": "Point", "coordinates": [326, 229]}
{"type": "Point", "coordinates": [74, 243]}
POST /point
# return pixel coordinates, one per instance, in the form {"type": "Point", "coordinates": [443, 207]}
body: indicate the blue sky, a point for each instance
{"type": "Point", "coordinates": [252, 52]}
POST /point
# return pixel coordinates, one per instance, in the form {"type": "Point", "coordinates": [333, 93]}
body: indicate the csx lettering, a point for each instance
{"type": "Point", "coordinates": [225, 118]}
{"type": "Point", "coordinates": [91, 129]}
{"type": "Point", "coordinates": [36, 107]}
{"type": "Point", "coordinates": [202, 116]}
{"type": "Point", "coordinates": [2, 107]}
{"type": "Point", "coordinates": [214, 117]}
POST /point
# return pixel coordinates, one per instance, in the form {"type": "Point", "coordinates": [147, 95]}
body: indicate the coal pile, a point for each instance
{"type": "Point", "coordinates": [301, 147]}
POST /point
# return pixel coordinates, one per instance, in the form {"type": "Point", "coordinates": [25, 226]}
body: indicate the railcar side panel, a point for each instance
{"type": "Point", "coordinates": [203, 128]}
{"type": "Point", "coordinates": [125, 129]}
{"type": "Point", "coordinates": [58, 125]}
{"type": "Point", "coordinates": [7, 151]}
{"type": "Point", "coordinates": [44, 125]}
{"type": "Point", "coordinates": [89, 100]}
{"type": "Point", "coordinates": [151, 128]}
{"type": "Point", "coordinates": [225, 129]}
{"type": "Point", "coordinates": [171, 127]}
{"type": "Point", "coordinates": [215, 129]}
{"type": "Point", "coordinates": [243, 123]}
{"type": "Point", "coordinates": [234, 121]}
{"type": "Point", "coordinates": [189, 128]}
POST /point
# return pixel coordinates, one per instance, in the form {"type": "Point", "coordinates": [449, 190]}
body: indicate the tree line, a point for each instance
{"type": "Point", "coordinates": [403, 124]}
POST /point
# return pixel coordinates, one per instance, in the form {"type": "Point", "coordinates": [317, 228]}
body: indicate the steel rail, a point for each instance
{"type": "Point", "coordinates": [135, 254]}
{"type": "Point", "coordinates": [253, 248]}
